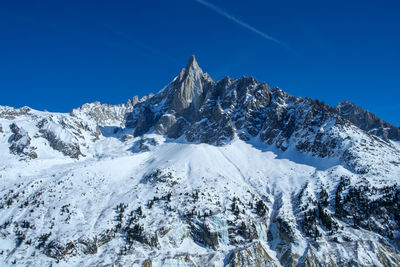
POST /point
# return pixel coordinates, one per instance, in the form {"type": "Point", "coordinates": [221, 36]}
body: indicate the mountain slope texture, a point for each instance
{"type": "Point", "coordinates": [203, 173]}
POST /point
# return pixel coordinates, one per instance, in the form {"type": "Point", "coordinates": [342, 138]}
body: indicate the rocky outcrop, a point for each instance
{"type": "Point", "coordinates": [188, 91]}
{"type": "Point", "coordinates": [201, 233]}
{"type": "Point", "coordinates": [173, 108]}
{"type": "Point", "coordinates": [57, 250]}
{"type": "Point", "coordinates": [10, 113]}
{"type": "Point", "coordinates": [147, 263]}
{"type": "Point", "coordinates": [368, 121]}
{"type": "Point", "coordinates": [170, 126]}
{"type": "Point", "coordinates": [144, 144]}
{"type": "Point", "coordinates": [20, 143]}
{"type": "Point", "coordinates": [87, 245]}
{"type": "Point", "coordinates": [104, 114]}
{"type": "Point", "coordinates": [52, 133]}
{"type": "Point", "coordinates": [183, 260]}
{"type": "Point", "coordinates": [105, 237]}
{"type": "Point", "coordinates": [252, 255]}
{"type": "Point", "coordinates": [311, 260]}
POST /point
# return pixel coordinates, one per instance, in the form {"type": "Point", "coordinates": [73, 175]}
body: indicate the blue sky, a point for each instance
{"type": "Point", "coordinates": [57, 55]}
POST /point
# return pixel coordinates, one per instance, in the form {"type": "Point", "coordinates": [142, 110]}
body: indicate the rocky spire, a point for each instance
{"type": "Point", "coordinates": [193, 68]}
{"type": "Point", "coordinates": [188, 89]}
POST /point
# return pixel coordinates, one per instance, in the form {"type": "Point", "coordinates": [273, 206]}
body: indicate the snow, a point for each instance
{"type": "Point", "coordinates": [114, 171]}
{"type": "Point", "coordinates": [95, 185]}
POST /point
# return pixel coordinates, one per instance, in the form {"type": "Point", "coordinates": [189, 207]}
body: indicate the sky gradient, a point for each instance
{"type": "Point", "coordinates": [57, 55]}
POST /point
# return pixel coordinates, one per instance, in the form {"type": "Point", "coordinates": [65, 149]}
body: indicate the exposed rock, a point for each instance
{"type": "Point", "coordinates": [144, 144]}
{"type": "Point", "coordinates": [158, 176]}
{"type": "Point", "coordinates": [21, 143]}
{"type": "Point", "coordinates": [105, 237]}
{"type": "Point", "coordinates": [164, 124]}
{"type": "Point", "coordinates": [150, 240]}
{"type": "Point", "coordinates": [127, 137]}
{"type": "Point", "coordinates": [87, 245]}
{"type": "Point", "coordinates": [10, 113]}
{"type": "Point", "coordinates": [368, 121]}
{"type": "Point", "coordinates": [252, 255]}
{"type": "Point", "coordinates": [177, 235]}
{"type": "Point", "coordinates": [205, 131]}
{"type": "Point", "coordinates": [145, 122]}
{"type": "Point", "coordinates": [104, 114]}
{"type": "Point", "coordinates": [188, 91]}
{"type": "Point", "coordinates": [310, 260]}
{"type": "Point", "coordinates": [183, 260]}
{"type": "Point", "coordinates": [178, 128]}
{"type": "Point", "coordinates": [57, 250]}
{"type": "Point", "coordinates": [50, 132]}
{"type": "Point", "coordinates": [147, 263]}
{"type": "Point", "coordinates": [204, 233]}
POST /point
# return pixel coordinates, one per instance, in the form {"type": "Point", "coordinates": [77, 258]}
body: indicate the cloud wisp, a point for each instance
{"type": "Point", "coordinates": [240, 22]}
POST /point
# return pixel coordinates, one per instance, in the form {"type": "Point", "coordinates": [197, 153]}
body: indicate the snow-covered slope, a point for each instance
{"type": "Point", "coordinates": [204, 173]}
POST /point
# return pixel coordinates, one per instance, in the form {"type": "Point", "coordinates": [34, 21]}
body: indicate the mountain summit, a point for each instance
{"type": "Point", "coordinates": [188, 90]}
{"type": "Point", "coordinates": [203, 173]}
{"type": "Point", "coordinates": [193, 66]}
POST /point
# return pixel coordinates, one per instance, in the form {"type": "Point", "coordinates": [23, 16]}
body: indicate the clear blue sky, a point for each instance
{"type": "Point", "coordinates": [57, 55]}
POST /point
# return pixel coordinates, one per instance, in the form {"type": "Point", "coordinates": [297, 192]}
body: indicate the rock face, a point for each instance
{"type": "Point", "coordinates": [53, 132]}
{"type": "Point", "coordinates": [57, 250]}
{"type": "Point", "coordinates": [253, 255]}
{"type": "Point", "coordinates": [188, 89]}
{"type": "Point", "coordinates": [12, 113]}
{"type": "Point", "coordinates": [368, 121]}
{"type": "Point", "coordinates": [105, 114]}
{"type": "Point", "coordinates": [175, 107]}
{"type": "Point", "coordinates": [203, 233]}
{"type": "Point", "coordinates": [20, 143]}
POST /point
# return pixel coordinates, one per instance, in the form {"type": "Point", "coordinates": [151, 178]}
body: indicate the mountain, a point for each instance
{"type": "Point", "coordinates": [368, 121]}
{"type": "Point", "coordinates": [203, 173]}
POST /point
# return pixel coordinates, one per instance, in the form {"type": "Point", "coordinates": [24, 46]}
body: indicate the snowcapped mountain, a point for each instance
{"type": "Point", "coordinates": [368, 121]}
{"type": "Point", "coordinates": [203, 173]}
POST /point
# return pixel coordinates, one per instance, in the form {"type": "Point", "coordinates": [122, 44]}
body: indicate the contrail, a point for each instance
{"type": "Point", "coordinates": [240, 22]}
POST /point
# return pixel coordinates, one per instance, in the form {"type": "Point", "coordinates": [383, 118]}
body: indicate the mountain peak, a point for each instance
{"type": "Point", "coordinates": [188, 89]}
{"type": "Point", "coordinates": [192, 62]}
{"type": "Point", "coordinates": [192, 69]}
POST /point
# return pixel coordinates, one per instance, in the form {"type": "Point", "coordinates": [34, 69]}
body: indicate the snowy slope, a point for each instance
{"type": "Point", "coordinates": [203, 173]}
